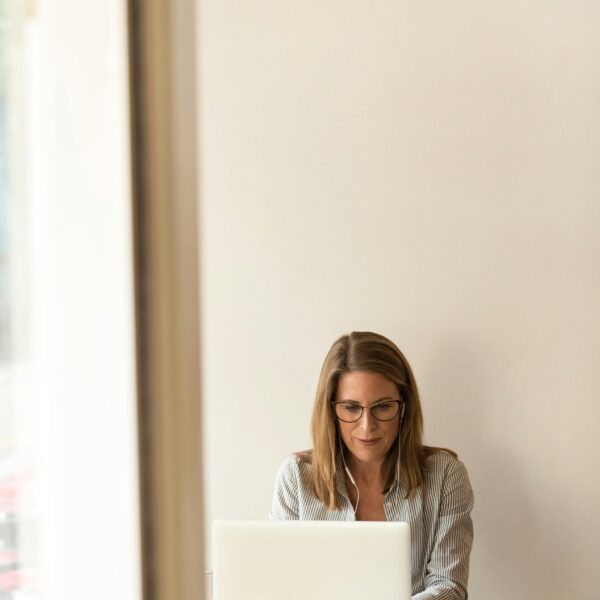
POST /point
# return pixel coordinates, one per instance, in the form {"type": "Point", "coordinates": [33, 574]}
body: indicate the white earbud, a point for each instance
{"type": "Point", "coordinates": [400, 440]}
{"type": "Point", "coordinates": [349, 474]}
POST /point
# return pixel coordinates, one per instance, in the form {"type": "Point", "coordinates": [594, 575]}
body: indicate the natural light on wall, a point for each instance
{"type": "Point", "coordinates": [69, 525]}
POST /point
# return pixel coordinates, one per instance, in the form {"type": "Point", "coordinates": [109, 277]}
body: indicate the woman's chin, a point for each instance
{"type": "Point", "coordinates": [368, 452]}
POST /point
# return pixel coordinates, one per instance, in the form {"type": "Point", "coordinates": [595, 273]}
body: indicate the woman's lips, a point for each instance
{"type": "Point", "coordinates": [370, 442]}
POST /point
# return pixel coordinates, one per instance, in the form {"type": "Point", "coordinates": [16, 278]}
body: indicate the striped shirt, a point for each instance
{"type": "Point", "coordinates": [439, 515]}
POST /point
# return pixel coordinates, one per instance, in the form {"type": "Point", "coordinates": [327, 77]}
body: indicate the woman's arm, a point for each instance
{"type": "Point", "coordinates": [285, 506]}
{"type": "Point", "coordinates": [448, 565]}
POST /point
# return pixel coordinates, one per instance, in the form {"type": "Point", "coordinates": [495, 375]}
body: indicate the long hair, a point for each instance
{"type": "Point", "coordinates": [365, 351]}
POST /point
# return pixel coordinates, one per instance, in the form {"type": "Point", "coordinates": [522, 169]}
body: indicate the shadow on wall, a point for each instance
{"type": "Point", "coordinates": [517, 552]}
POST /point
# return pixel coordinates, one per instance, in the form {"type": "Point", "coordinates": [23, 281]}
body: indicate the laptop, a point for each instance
{"type": "Point", "coordinates": [311, 560]}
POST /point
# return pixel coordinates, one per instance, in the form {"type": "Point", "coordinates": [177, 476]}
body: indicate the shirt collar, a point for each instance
{"type": "Point", "coordinates": [340, 479]}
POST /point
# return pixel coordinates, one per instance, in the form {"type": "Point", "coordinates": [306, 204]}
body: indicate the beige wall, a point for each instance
{"type": "Point", "coordinates": [428, 171]}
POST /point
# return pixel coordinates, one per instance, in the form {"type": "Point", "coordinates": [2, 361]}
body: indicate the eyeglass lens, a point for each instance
{"type": "Point", "coordinates": [382, 411]}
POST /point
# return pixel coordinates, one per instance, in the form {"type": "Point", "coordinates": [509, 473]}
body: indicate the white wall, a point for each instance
{"type": "Point", "coordinates": [428, 171]}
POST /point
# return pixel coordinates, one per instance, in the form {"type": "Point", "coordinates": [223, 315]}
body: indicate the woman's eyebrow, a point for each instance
{"type": "Point", "coordinates": [374, 401]}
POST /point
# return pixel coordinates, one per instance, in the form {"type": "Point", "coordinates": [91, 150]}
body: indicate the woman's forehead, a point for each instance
{"type": "Point", "coordinates": [365, 386]}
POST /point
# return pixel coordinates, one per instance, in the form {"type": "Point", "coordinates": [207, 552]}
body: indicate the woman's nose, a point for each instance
{"type": "Point", "coordinates": [367, 420]}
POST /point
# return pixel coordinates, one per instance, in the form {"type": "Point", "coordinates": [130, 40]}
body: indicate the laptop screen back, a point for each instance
{"type": "Point", "coordinates": [310, 560]}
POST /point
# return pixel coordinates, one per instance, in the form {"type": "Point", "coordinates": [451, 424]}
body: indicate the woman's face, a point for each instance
{"type": "Point", "coordinates": [368, 439]}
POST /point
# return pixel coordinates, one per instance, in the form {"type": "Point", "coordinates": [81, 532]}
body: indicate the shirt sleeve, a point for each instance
{"type": "Point", "coordinates": [285, 505]}
{"type": "Point", "coordinates": [448, 565]}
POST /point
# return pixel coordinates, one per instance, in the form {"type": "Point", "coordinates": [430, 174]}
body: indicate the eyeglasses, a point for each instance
{"type": "Point", "coordinates": [350, 412]}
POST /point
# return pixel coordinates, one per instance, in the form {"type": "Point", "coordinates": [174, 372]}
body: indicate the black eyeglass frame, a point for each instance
{"type": "Point", "coordinates": [362, 410]}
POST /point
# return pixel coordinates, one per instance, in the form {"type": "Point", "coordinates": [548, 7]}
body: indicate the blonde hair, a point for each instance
{"type": "Point", "coordinates": [365, 351]}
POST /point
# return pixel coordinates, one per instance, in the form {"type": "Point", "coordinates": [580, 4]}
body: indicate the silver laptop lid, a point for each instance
{"type": "Point", "coordinates": [311, 560]}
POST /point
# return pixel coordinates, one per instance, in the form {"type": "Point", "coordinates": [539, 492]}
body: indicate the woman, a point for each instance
{"type": "Point", "coordinates": [368, 462]}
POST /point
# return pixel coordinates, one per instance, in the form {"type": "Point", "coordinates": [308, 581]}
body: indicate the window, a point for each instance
{"type": "Point", "coordinates": [19, 509]}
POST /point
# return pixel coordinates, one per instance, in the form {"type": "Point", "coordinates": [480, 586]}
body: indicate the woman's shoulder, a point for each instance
{"type": "Point", "coordinates": [441, 463]}
{"type": "Point", "coordinates": [294, 464]}
{"type": "Point", "coordinates": [444, 471]}
{"type": "Point", "coordinates": [291, 483]}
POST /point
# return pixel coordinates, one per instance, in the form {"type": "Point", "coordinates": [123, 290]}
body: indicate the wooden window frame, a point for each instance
{"type": "Point", "coordinates": [163, 75]}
